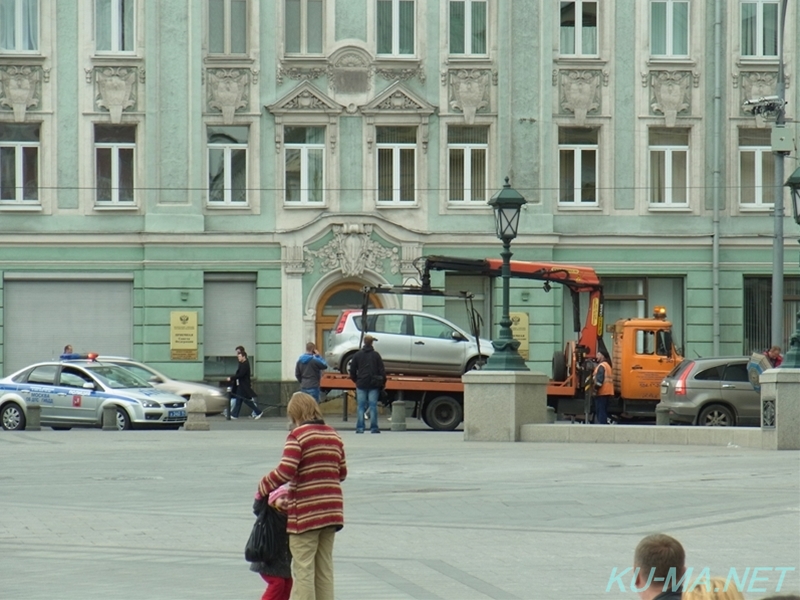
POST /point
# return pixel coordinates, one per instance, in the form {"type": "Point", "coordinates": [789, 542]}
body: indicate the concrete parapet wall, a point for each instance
{"type": "Point", "coordinates": [780, 404]}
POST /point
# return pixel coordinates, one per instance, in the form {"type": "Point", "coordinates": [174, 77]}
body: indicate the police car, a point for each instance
{"type": "Point", "coordinates": [73, 393]}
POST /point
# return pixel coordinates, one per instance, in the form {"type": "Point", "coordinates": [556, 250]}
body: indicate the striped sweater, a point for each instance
{"type": "Point", "coordinates": [313, 462]}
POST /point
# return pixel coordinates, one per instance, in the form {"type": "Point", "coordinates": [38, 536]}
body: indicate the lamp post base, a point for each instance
{"type": "Point", "coordinates": [505, 357]}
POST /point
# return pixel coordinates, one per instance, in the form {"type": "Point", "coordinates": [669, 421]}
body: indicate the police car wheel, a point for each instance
{"type": "Point", "coordinates": [123, 420]}
{"type": "Point", "coordinates": [12, 417]}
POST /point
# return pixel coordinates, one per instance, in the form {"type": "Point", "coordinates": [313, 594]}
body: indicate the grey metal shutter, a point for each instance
{"type": "Point", "coordinates": [43, 315]}
{"type": "Point", "coordinates": [229, 314]}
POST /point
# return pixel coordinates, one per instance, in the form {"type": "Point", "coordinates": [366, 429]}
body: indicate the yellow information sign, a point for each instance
{"type": "Point", "coordinates": [519, 331]}
{"type": "Point", "coordinates": [183, 335]}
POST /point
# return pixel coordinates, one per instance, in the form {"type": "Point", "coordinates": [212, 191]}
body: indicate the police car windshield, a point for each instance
{"type": "Point", "coordinates": [116, 377]}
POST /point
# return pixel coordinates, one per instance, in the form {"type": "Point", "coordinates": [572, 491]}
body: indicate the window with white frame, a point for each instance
{"type": "Point", "coordinates": [669, 28]}
{"type": "Point", "coordinates": [468, 27]}
{"type": "Point", "coordinates": [304, 164]}
{"type": "Point", "coordinates": [396, 27]}
{"type": "Point", "coordinates": [396, 162]}
{"type": "Point", "coordinates": [19, 163]}
{"type": "Point", "coordinates": [577, 166]}
{"type": "Point", "coordinates": [227, 165]}
{"type": "Point", "coordinates": [579, 28]}
{"type": "Point", "coordinates": [760, 28]}
{"type": "Point", "coordinates": [227, 26]}
{"type": "Point", "coordinates": [114, 25]}
{"type": "Point", "coordinates": [303, 26]}
{"type": "Point", "coordinates": [467, 150]}
{"type": "Point", "coordinates": [756, 168]}
{"type": "Point", "coordinates": [19, 25]}
{"type": "Point", "coordinates": [669, 166]}
{"type": "Point", "coordinates": [115, 149]}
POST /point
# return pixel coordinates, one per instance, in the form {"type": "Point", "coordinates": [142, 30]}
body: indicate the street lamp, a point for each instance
{"type": "Point", "coordinates": [792, 358]}
{"type": "Point", "coordinates": [507, 204]}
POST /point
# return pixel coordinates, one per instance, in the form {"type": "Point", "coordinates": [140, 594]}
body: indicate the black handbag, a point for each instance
{"type": "Point", "coordinates": [267, 536]}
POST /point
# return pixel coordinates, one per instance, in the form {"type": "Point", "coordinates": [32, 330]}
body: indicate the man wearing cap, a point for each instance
{"type": "Point", "coordinates": [369, 375]}
{"type": "Point", "coordinates": [603, 388]}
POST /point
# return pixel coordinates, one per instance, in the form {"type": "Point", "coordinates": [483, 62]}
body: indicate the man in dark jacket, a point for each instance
{"type": "Point", "coordinates": [661, 563]}
{"type": "Point", "coordinates": [240, 386]}
{"type": "Point", "coordinates": [308, 371]}
{"type": "Point", "coordinates": [366, 369]}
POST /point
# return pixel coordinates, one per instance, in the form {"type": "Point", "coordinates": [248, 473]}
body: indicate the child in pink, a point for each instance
{"type": "Point", "coordinates": [277, 573]}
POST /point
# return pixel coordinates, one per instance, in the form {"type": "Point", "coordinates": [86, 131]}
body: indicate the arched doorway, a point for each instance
{"type": "Point", "coordinates": [340, 297]}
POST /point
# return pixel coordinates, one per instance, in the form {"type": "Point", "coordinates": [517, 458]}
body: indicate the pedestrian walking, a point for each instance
{"type": "Point", "coordinates": [314, 465]}
{"type": "Point", "coordinates": [369, 375]}
{"type": "Point", "coordinates": [241, 389]}
{"type": "Point", "coordinates": [603, 389]}
{"type": "Point", "coordinates": [308, 371]}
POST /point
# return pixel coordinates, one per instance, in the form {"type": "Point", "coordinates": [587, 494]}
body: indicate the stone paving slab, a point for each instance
{"type": "Point", "coordinates": [89, 514]}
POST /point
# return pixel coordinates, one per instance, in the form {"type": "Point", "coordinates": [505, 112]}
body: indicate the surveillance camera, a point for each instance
{"type": "Point", "coordinates": [764, 100]}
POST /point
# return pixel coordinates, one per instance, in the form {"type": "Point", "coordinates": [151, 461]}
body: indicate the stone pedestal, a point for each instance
{"type": "Point", "coordinates": [33, 418]}
{"type": "Point", "coordinates": [498, 403]}
{"type": "Point", "coordinates": [398, 415]}
{"type": "Point", "coordinates": [109, 418]}
{"type": "Point", "coordinates": [780, 409]}
{"type": "Point", "coordinates": [196, 414]}
{"type": "Point", "coordinates": [662, 414]}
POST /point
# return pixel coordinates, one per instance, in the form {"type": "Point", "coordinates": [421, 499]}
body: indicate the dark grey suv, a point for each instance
{"type": "Point", "coordinates": [711, 391]}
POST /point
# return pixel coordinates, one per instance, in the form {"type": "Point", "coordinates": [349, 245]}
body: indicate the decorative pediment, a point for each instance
{"type": "Point", "coordinates": [305, 98]}
{"type": "Point", "coordinates": [20, 89]}
{"type": "Point", "coordinates": [352, 250]}
{"type": "Point", "coordinates": [398, 99]}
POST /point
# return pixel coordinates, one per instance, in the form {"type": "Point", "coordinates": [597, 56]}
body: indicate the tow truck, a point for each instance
{"type": "Point", "coordinates": [642, 351]}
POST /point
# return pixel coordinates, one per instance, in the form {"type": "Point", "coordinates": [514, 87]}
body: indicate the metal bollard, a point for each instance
{"type": "Point", "coordinates": [662, 415]}
{"type": "Point", "coordinates": [399, 415]}
{"type": "Point", "coordinates": [109, 418]}
{"type": "Point", "coordinates": [551, 414]}
{"type": "Point", "coordinates": [33, 420]}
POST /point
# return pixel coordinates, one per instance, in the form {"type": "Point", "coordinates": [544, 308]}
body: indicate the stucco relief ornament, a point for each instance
{"type": "Point", "coordinates": [19, 89]}
{"type": "Point", "coordinates": [352, 250]}
{"type": "Point", "coordinates": [116, 90]}
{"type": "Point", "coordinates": [670, 93]}
{"type": "Point", "coordinates": [469, 91]}
{"type": "Point", "coordinates": [580, 93]}
{"type": "Point", "coordinates": [305, 100]}
{"type": "Point", "coordinates": [227, 90]}
{"type": "Point", "coordinates": [350, 72]}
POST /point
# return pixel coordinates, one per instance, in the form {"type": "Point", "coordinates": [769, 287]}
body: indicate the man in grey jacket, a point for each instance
{"type": "Point", "coordinates": [308, 371]}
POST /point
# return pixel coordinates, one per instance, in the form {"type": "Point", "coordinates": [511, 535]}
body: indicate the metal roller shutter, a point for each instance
{"type": "Point", "coordinates": [229, 315]}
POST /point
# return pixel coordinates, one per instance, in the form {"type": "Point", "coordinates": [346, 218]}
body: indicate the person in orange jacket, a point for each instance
{"type": "Point", "coordinates": [603, 389]}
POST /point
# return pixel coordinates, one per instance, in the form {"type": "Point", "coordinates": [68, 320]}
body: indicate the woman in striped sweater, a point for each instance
{"type": "Point", "coordinates": [314, 464]}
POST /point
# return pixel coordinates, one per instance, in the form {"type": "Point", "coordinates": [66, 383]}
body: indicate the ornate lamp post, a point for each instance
{"type": "Point", "coordinates": [792, 358]}
{"type": "Point", "coordinates": [507, 204]}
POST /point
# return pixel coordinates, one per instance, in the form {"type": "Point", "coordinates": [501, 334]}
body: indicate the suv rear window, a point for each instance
{"type": "Point", "coordinates": [680, 368]}
{"type": "Point", "coordinates": [736, 372]}
{"type": "Point", "coordinates": [711, 374]}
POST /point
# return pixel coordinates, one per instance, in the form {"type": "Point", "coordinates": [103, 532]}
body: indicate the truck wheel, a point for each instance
{"type": "Point", "coordinates": [443, 413]}
{"type": "Point", "coordinates": [13, 419]}
{"type": "Point", "coordinates": [559, 366]}
{"type": "Point", "coordinates": [716, 415]}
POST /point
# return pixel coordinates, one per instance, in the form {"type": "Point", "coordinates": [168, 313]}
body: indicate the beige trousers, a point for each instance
{"type": "Point", "coordinates": [312, 564]}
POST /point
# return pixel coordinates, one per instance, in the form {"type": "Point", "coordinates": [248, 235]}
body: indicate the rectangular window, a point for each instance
{"type": "Point", "coordinates": [227, 26]}
{"type": "Point", "coordinates": [756, 168]}
{"type": "Point", "coordinates": [114, 25]}
{"type": "Point", "coordinates": [304, 162]}
{"type": "Point", "coordinates": [396, 27]}
{"type": "Point", "coordinates": [303, 26]}
{"type": "Point", "coordinates": [19, 25]}
{"type": "Point", "coordinates": [669, 166]}
{"type": "Point", "coordinates": [467, 149]}
{"type": "Point", "coordinates": [468, 27]}
{"type": "Point", "coordinates": [19, 163]}
{"type": "Point", "coordinates": [579, 28]}
{"type": "Point", "coordinates": [669, 28]}
{"type": "Point", "coordinates": [115, 148]}
{"type": "Point", "coordinates": [760, 28]}
{"type": "Point", "coordinates": [397, 151]}
{"type": "Point", "coordinates": [577, 166]}
{"type": "Point", "coordinates": [227, 165]}
{"type": "Point", "coordinates": [757, 321]}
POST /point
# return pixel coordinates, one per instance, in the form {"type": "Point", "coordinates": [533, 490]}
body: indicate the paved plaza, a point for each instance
{"type": "Point", "coordinates": [90, 514]}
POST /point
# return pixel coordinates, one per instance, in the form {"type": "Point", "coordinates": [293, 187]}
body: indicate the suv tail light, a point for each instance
{"type": "Point", "coordinates": [680, 384]}
{"type": "Point", "coordinates": [342, 320]}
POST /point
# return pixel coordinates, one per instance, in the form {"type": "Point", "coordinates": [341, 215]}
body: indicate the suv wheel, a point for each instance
{"type": "Point", "coordinates": [716, 415]}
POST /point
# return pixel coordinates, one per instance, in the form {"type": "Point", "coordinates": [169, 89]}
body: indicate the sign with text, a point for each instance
{"type": "Point", "coordinates": [519, 331]}
{"type": "Point", "coordinates": [183, 335]}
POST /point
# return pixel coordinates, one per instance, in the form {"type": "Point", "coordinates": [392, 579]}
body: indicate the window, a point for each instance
{"type": "Point", "coordinates": [397, 149]}
{"type": "Point", "coordinates": [577, 166]}
{"type": "Point", "coordinates": [669, 28]}
{"type": "Point", "coordinates": [19, 25]}
{"type": "Point", "coordinates": [757, 303]}
{"type": "Point", "coordinates": [579, 28]}
{"type": "Point", "coordinates": [115, 146]}
{"type": "Point", "coordinates": [44, 375]}
{"type": "Point", "coordinates": [72, 377]}
{"type": "Point", "coordinates": [388, 323]}
{"type": "Point", "coordinates": [19, 163]}
{"type": "Point", "coordinates": [467, 148]}
{"type": "Point", "coordinates": [760, 28]}
{"type": "Point", "coordinates": [756, 168]}
{"type": "Point", "coordinates": [114, 25]}
{"type": "Point", "coordinates": [303, 27]}
{"type": "Point", "coordinates": [227, 26]}
{"type": "Point", "coordinates": [227, 165]}
{"type": "Point", "coordinates": [432, 328]}
{"type": "Point", "coordinates": [736, 372]}
{"type": "Point", "coordinates": [304, 161]}
{"type": "Point", "coordinates": [396, 27]}
{"type": "Point", "coordinates": [468, 27]}
{"type": "Point", "coordinates": [669, 165]}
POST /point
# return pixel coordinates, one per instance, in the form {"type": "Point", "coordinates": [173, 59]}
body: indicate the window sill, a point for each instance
{"type": "Point", "coordinates": [663, 61]}
{"type": "Point", "coordinates": [115, 207]}
{"type": "Point", "coordinates": [228, 206]}
{"type": "Point", "coordinates": [305, 205]}
{"type": "Point", "coordinates": [469, 205]}
{"type": "Point", "coordinates": [751, 61]}
{"type": "Point", "coordinates": [576, 207]}
{"type": "Point", "coordinates": [19, 207]}
{"type": "Point", "coordinates": [756, 208]}
{"type": "Point", "coordinates": [678, 208]}
{"type": "Point", "coordinates": [211, 59]}
{"type": "Point", "coordinates": [568, 60]}
{"type": "Point", "coordinates": [468, 58]}
{"type": "Point", "coordinates": [395, 205]}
